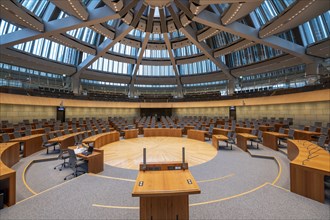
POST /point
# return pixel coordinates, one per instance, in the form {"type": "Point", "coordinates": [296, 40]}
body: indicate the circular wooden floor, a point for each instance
{"type": "Point", "coordinates": [129, 153]}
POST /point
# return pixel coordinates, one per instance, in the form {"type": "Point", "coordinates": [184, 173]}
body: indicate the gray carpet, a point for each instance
{"type": "Point", "coordinates": [75, 199]}
{"type": "Point", "coordinates": [268, 202]}
{"type": "Point", "coordinates": [284, 180]}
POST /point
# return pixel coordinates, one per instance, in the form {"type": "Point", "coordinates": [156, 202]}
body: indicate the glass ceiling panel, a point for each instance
{"type": "Point", "coordinates": [111, 66]}
{"type": "Point", "coordinates": [84, 34]}
{"type": "Point", "coordinates": [6, 27]}
{"type": "Point", "coordinates": [156, 54]}
{"type": "Point", "coordinates": [48, 49]}
{"type": "Point", "coordinates": [37, 7]}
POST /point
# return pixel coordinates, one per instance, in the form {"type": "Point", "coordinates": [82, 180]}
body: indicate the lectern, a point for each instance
{"type": "Point", "coordinates": [164, 189]}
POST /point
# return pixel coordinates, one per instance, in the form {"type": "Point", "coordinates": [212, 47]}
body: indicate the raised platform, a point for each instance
{"type": "Point", "coordinates": [128, 153]}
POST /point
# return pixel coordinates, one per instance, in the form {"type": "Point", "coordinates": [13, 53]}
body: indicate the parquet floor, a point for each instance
{"type": "Point", "coordinates": [129, 153]}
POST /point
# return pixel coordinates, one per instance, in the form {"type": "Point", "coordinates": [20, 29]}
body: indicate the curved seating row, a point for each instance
{"type": "Point", "coordinates": [308, 167]}
{"type": "Point", "coordinates": [102, 139]}
{"type": "Point", "coordinates": [164, 132]}
{"type": "Point", "coordinates": [9, 156]}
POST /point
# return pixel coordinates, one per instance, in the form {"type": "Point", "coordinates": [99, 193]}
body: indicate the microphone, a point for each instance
{"type": "Point", "coordinates": [144, 167]}
{"type": "Point", "coordinates": [183, 158]}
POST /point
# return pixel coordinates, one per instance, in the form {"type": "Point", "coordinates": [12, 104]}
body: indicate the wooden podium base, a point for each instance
{"type": "Point", "coordinates": [164, 207]}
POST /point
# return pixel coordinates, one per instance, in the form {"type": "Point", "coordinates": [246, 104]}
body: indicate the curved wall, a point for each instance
{"type": "Point", "coordinates": [305, 107]}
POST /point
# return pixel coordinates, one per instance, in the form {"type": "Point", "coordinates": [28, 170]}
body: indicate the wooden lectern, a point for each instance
{"type": "Point", "coordinates": [163, 189]}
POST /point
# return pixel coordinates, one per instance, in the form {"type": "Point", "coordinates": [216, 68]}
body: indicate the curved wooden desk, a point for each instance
{"type": "Point", "coordinates": [303, 135]}
{"type": "Point", "coordinates": [243, 130]}
{"type": "Point", "coordinates": [242, 138]}
{"type": "Point", "coordinates": [102, 139]}
{"type": "Point", "coordinates": [131, 133]}
{"type": "Point", "coordinates": [216, 138]}
{"type": "Point", "coordinates": [196, 134]}
{"type": "Point", "coordinates": [95, 160]}
{"type": "Point", "coordinates": [32, 143]}
{"type": "Point", "coordinates": [307, 175]}
{"type": "Point", "coordinates": [9, 155]}
{"type": "Point", "coordinates": [270, 139]}
{"type": "Point", "coordinates": [187, 128]}
{"type": "Point", "coordinates": [167, 132]}
{"type": "Point", "coordinates": [66, 140]}
{"type": "Point", "coordinates": [221, 131]}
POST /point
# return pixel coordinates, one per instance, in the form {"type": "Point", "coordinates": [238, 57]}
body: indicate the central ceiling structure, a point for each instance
{"type": "Point", "coordinates": [162, 42]}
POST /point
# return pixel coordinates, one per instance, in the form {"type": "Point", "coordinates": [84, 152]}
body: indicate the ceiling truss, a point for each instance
{"type": "Point", "coordinates": [183, 15]}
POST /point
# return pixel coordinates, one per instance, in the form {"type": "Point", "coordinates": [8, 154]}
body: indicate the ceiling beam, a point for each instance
{"type": "Point", "coordinates": [128, 5]}
{"type": "Point", "coordinates": [209, 2]}
{"type": "Point", "coordinates": [121, 32]}
{"type": "Point", "coordinates": [175, 67]}
{"type": "Point", "coordinates": [239, 10]}
{"type": "Point", "coordinates": [150, 20]}
{"type": "Point", "coordinates": [139, 9]}
{"type": "Point", "coordinates": [213, 20]}
{"type": "Point", "coordinates": [191, 35]}
{"type": "Point", "coordinates": [17, 14]}
{"type": "Point", "coordinates": [71, 42]}
{"type": "Point", "coordinates": [163, 24]}
{"type": "Point", "coordinates": [138, 61]}
{"type": "Point", "coordinates": [96, 16]}
{"type": "Point", "coordinates": [72, 7]}
{"type": "Point", "coordinates": [299, 13]}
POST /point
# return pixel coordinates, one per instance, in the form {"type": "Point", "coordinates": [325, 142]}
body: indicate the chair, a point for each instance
{"type": "Point", "coordinates": [231, 139]}
{"type": "Point", "coordinates": [99, 130]}
{"type": "Point", "coordinates": [17, 134]}
{"type": "Point", "coordinates": [85, 134]}
{"type": "Point", "coordinates": [64, 155]}
{"type": "Point", "coordinates": [27, 132]}
{"type": "Point", "coordinates": [312, 128]}
{"type": "Point", "coordinates": [301, 127]}
{"type": "Point", "coordinates": [46, 144]}
{"type": "Point", "coordinates": [290, 136]}
{"type": "Point", "coordinates": [257, 140]}
{"type": "Point", "coordinates": [281, 130]}
{"type": "Point", "coordinates": [47, 129]}
{"type": "Point", "coordinates": [233, 127]}
{"type": "Point", "coordinates": [82, 128]}
{"type": "Point", "coordinates": [254, 132]}
{"type": "Point", "coordinates": [107, 129]}
{"type": "Point", "coordinates": [78, 166]}
{"type": "Point", "coordinates": [92, 132]}
{"type": "Point", "coordinates": [5, 137]}
{"type": "Point", "coordinates": [321, 140]}
{"type": "Point", "coordinates": [324, 130]}
{"type": "Point", "coordinates": [240, 124]}
{"type": "Point", "coordinates": [318, 124]}
{"type": "Point", "coordinates": [59, 134]}
{"type": "Point", "coordinates": [210, 132]}
{"type": "Point", "coordinates": [66, 131]}
{"type": "Point", "coordinates": [51, 135]}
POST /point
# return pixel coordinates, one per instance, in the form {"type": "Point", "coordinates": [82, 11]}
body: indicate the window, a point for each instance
{"type": "Point", "coordinates": [146, 70]}
{"type": "Point", "coordinates": [50, 50]}
{"type": "Point", "coordinates": [205, 66]}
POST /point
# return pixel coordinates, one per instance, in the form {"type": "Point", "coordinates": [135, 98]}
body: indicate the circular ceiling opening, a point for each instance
{"type": "Point", "coordinates": [158, 3]}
